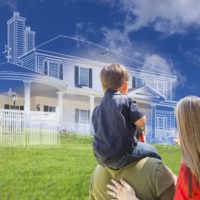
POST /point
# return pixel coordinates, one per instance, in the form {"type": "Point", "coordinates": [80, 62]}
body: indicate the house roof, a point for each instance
{"type": "Point", "coordinates": [66, 45]}
{"type": "Point", "coordinates": [146, 93]}
{"type": "Point", "coordinates": [9, 71]}
{"type": "Point", "coordinates": [9, 67]}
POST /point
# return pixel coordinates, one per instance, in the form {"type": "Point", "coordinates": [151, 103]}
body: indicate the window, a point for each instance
{"type": "Point", "coordinates": [161, 123]}
{"type": "Point", "coordinates": [53, 69]}
{"type": "Point", "coordinates": [52, 109]}
{"type": "Point", "coordinates": [12, 107]}
{"type": "Point", "coordinates": [6, 106]}
{"type": "Point", "coordinates": [140, 82]}
{"type": "Point", "coordinates": [82, 116]}
{"type": "Point", "coordinates": [83, 76]}
{"type": "Point", "coordinates": [49, 108]}
{"type": "Point", "coordinates": [160, 87]}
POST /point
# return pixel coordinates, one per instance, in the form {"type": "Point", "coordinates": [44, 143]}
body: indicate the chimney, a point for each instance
{"type": "Point", "coordinates": [28, 28]}
{"type": "Point", "coordinates": [16, 14]}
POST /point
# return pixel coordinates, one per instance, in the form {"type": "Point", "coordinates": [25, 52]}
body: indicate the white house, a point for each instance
{"type": "Point", "coordinates": [62, 76]}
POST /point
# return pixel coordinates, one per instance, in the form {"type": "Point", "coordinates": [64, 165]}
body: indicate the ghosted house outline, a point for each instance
{"type": "Point", "coordinates": [75, 65]}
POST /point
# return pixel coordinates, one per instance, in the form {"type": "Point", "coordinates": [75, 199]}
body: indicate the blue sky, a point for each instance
{"type": "Point", "coordinates": [157, 34]}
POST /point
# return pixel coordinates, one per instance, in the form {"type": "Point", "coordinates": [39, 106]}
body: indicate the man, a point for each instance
{"type": "Point", "coordinates": [149, 177]}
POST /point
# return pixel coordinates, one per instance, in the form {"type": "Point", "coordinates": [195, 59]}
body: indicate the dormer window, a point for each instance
{"type": "Point", "coordinates": [161, 87]}
{"type": "Point", "coordinates": [138, 81]}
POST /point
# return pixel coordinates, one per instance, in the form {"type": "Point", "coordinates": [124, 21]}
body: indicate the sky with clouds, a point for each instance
{"type": "Point", "coordinates": [153, 33]}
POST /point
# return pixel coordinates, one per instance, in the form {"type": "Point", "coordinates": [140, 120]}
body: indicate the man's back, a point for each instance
{"type": "Point", "coordinates": [149, 177]}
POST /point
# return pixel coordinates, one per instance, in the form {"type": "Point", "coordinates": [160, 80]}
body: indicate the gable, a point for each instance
{"type": "Point", "coordinates": [146, 93]}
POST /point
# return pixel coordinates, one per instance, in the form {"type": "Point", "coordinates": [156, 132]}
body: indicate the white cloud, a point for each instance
{"type": "Point", "coordinates": [85, 27]}
{"type": "Point", "coordinates": [12, 4]}
{"type": "Point", "coordinates": [193, 57]}
{"type": "Point", "coordinates": [168, 16]}
{"type": "Point", "coordinates": [155, 62]}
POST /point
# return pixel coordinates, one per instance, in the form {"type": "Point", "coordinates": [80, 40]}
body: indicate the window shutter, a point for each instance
{"type": "Point", "coordinates": [90, 78]}
{"type": "Point", "coordinates": [76, 75]}
{"type": "Point", "coordinates": [61, 72]}
{"type": "Point", "coordinates": [45, 68]}
{"type": "Point", "coordinates": [133, 82]}
{"type": "Point", "coordinates": [76, 115]}
{"type": "Point", "coordinates": [88, 116]}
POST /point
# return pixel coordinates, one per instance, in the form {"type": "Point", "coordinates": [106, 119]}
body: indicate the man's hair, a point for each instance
{"type": "Point", "coordinates": [188, 120]}
{"type": "Point", "coordinates": [113, 76]}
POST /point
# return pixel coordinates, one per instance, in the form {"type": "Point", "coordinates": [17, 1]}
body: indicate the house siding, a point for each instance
{"type": "Point", "coordinates": [29, 61]}
{"type": "Point", "coordinates": [74, 102]}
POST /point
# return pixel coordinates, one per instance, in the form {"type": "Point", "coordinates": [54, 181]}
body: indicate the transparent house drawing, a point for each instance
{"type": "Point", "coordinates": [75, 66]}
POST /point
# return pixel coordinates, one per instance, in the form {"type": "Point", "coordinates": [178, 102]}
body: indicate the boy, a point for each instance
{"type": "Point", "coordinates": [115, 122]}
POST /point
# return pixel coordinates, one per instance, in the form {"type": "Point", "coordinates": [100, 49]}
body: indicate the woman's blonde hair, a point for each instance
{"type": "Point", "coordinates": [188, 121]}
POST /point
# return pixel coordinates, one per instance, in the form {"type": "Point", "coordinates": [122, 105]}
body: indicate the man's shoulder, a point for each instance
{"type": "Point", "coordinates": [146, 163]}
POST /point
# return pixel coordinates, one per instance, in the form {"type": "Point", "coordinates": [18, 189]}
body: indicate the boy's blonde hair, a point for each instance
{"type": "Point", "coordinates": [113, 76]}
{"type": "Point", "coordinates": [188, 120]}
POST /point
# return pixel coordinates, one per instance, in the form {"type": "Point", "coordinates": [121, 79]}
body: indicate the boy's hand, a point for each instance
{"type": "Point", "coordinates": [140, 122]}
{"type": "Point", "coordinates": [142, 138]}
{"type": "Point", "coordinates": [141, 135]}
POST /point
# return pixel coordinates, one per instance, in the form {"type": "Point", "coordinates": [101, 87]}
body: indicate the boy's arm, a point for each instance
{"type": "Point", "coordinates": [137, 116]}
{"type": "Point", "coordinates": [140, 126]}
{"type": "Point", "coordinates": [140, 123]}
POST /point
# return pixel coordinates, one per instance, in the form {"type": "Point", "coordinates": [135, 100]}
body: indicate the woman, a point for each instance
{"type": "Point", "coordinates": [188, 185]}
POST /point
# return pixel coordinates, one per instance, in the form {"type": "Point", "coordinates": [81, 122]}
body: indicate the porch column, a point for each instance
{"type": "Point", "coordinates": [27, 95]}
{"type": "Point", "coordinates": [91, 105]}
{"type": "Point", "coordinates": [60, 106]}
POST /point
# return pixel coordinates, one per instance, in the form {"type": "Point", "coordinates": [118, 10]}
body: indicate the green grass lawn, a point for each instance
{"type": "Point", "coordinates": [56, 173]}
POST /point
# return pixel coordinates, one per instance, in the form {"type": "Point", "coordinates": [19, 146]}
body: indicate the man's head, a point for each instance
{"type": "Point", "coordinates": [114, 77]}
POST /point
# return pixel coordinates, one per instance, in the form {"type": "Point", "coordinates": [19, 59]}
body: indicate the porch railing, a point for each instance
{"type": "Point", "coordinates": [165, 136]}
{"type": "Point", "coordinates": [33, 128]}
{"type": "Point", "coordinates": [78, 128]}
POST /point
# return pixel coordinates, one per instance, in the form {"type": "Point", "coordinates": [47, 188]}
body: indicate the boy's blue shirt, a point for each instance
{"type": "Point", "coordinates": [113, 121]}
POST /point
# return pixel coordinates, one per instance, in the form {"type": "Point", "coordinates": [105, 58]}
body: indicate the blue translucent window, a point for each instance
{"type": "Point", "coordinates": [161, 123]}
{"type": "Point", "coordinates": [160, 87]}
{"type": "Point", "coordinates": [140, 82]}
